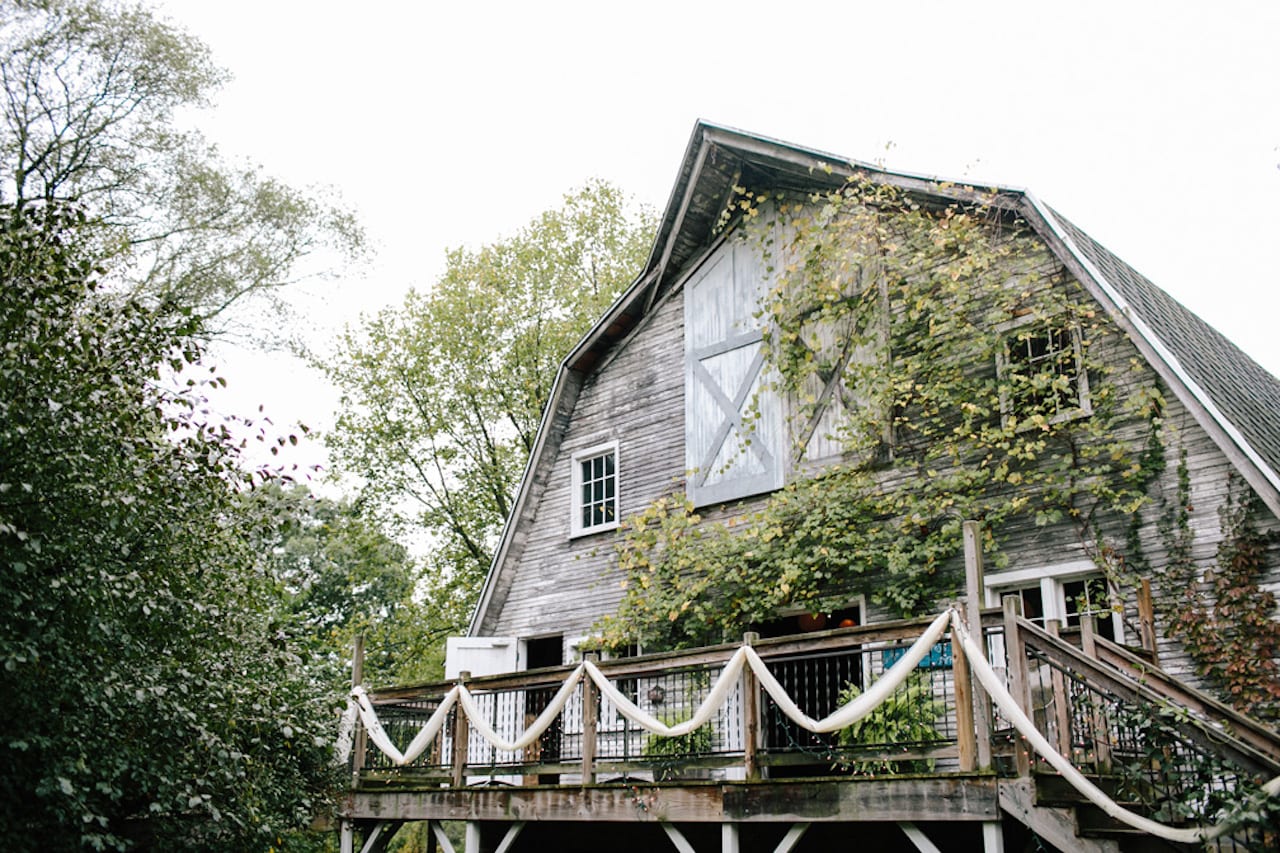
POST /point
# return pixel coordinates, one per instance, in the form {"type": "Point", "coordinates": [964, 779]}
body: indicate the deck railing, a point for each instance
{"type": "Point", "coordinates": [1153, 744]}
{"type": "Point", "coordinates": [591, 740]}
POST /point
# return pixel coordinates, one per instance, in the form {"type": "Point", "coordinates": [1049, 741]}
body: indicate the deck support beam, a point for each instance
{"type": "Point", "coordinates": [792, 838]}
{"type": "Point", "coordinates": [918, 838]}
{"type": "Point", "coordinates": [677, 838]}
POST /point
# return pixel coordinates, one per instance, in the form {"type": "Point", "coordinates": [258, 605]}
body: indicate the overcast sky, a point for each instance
{"type": "Point", "coordinates": [1153, 126]}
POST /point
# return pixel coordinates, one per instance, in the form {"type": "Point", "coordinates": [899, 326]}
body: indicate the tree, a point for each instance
{"type": "Point", "coordinates": [92, 94]}
{"type": "Point", "coordinates": [442, 396]}
{"type": "Point", "coordinates": [343, 576]}
{"type": "Point", "coordinates": [155, 696]}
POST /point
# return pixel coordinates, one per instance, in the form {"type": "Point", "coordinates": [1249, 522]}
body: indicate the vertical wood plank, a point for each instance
{"type": "Point", "coordinates": [750, 715]}
{"type": "Point", "coordinates": [1016, 651]}
{"type": "Point", "coordinates": [1061, 698]}
{"type": "Point", "coordinates": [461, 740]}
{"type": "Point", "coordinates": [590, 721]}
{"type": "Point", "coordinates": [1147, 620]}
{"type": "Point", "coordinates": [729, 838]}
{"type": "Point", "coordinates": [472, 838]}
{"type": "Point", "coordinates": [973, 608]}
{"type": "Point", "coordinates": [1098, 717]}
{"type": "Point", "coordinates": [966, 743]}
{"type": "Point", "coordinates": [359, 741]}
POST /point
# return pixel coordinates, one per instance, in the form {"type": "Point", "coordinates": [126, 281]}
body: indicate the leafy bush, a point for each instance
{"type": "Point", "coordinates": [908, 717]}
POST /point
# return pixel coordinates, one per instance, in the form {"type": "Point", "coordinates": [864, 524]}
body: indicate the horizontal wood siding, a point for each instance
{"type": "Point", "coordinates": [562, 584]}
{"type": "Point", "coordinates": [556, 584]}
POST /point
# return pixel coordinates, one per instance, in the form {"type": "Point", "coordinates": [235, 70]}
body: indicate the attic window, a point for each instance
{"type": "Point", "coordinates": [595, 490]}
{"type": "Point", "coordinates": [1042, 374]}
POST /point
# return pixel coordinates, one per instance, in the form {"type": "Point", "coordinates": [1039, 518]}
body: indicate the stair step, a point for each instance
{"type": "Point", "coordinates": [1093, 822]}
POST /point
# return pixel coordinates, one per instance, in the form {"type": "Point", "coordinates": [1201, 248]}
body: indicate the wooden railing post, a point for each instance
{"type": "Point", "coordinates": [751, 727]}
{"type": "Point", "coordinates": [461, 737]}
{"type": "Point", "coordinates": [973, 612]}
{"type": "Point", "coordinates": [1061, 698]}
{"type": "Point", "coordinates": [590, 723]}
{"type": "Point", "coordinates": [962, 684]}
{"type": "Point", "coordinates": [1098, 719]}
{"type": "Point", "coordinates": [1147, 620]}
{"type": "Point", "coordinates": [358, 741]}
{"type": "Point", "coordinates": [1015, 651]}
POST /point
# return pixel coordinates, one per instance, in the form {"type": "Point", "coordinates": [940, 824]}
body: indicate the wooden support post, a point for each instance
{"type": "Point", "coordinates": [1061, 698]}
{"type": "Point", "coordinates": [677, 838]}
{"type": "Point", "coordinates": [432, 845]}
{"type": "Point", "coordinates": [1147, 620]}
{"type": "Point", "coordinates": [1015, 650]}
{"type": "Point", "coordinates": [1098, 717]}
{"type": "Point", "coordinates": [973, 612]}
{"type": "Point", "coordinates": [513, 832]}
{"type": "Point", "coordinates": [792, 838]}
{"type": "Point", "coordinates": [590, 720]}
{"type": "Point", "coordinates": [438, 833]}
{"type": "Point", "coordinates": [359, 738]}
{"type": "Point", "coordinates": [346, 837]}
{"type": "Point", "coordinates": [918, 838]}
{"type": "Point", "coordinates": [729, 838]}
{"type": "Point", "coordinates": [751, 727]}
{"type": "Point", "coordinates": [472, 837]}
{"type": "Point", "coordinates": [461, 739]}
{"type": "Point", "coordinates": [962, 684]}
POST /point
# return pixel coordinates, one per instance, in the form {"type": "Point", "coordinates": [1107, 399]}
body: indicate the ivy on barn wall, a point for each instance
{"type": "Point", "coordinates": [898, 313]}
{"type": "Point", "coordinates": [1222, 615]}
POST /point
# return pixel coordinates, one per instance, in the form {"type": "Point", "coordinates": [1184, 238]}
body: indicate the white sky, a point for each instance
{"type": "Point", "coordinates": [1153, 126]}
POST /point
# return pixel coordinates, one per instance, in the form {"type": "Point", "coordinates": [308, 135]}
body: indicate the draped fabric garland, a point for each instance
{"type": "Point", "coordinates": [728, 680]}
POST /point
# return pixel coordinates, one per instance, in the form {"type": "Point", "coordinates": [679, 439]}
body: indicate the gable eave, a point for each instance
{"type": "Point", "coordinates": [1245, 458]}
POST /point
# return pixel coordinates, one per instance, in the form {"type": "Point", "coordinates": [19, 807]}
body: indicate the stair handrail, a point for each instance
{"type": "Point", "coordinates": [1262, 738]}
{"type": "Point", "coordinates": [1215, 735]}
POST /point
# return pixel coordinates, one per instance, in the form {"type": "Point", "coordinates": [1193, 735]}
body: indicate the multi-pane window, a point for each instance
{"type": "Point", "coordinates": [1042, 373]}
{"type": "Point", "coordinates": [595, 490]}
{"type": "Point", "coordinates": [1065, 599]}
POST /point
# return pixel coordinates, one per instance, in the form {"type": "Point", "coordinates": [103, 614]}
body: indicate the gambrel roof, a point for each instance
{"type": "Point", "coordinates": [1231, 396]}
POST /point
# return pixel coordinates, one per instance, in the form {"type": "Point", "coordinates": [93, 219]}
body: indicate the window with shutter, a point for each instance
{"type": "Point", "coordinates": [734, 444]}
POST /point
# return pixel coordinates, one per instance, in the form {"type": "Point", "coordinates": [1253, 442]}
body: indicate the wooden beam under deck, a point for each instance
{"type": "Point", "coordinates": [961, 797]}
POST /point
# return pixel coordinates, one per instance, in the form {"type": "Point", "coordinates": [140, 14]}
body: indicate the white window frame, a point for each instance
{"type": "Point", "coordinates": [1085, 405]}
{"type": "Point", "coordinates": [1051, 580]}
{"type": "Point", "coordinates": [576, 527]}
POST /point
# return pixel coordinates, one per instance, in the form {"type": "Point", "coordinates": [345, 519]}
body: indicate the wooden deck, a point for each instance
{"type": "Point", "coordinates": [750, 766]}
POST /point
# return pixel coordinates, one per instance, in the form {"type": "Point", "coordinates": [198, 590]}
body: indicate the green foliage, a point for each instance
{"type": "Point", "coordinates": [156, 697]}
{"type": "Point", "coordinates": [342, 576]}
{"type": "Point", "coordinates": [884, 326]}
{"type": "Point", "coordinates": [669, 753]}
{"type": "Point", "coordinates": [1224, 618]}
{"type": "Point", "coordinates": [442, 396]}
{"type": "Point", "coordinates": [95, 92]}
{"type": "Point", "coordinates": [1179, 781]}
{"type": "Point", "coordinates": [907, 718]}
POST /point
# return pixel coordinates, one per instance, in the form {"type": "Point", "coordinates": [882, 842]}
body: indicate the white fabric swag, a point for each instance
{"type": "Point", "coordinates": [728, 681]}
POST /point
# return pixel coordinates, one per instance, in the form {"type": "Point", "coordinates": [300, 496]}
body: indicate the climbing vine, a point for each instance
{"type": "Point", "coordinates": [1224, 618]}
{"type": "Point", "coordinates": [935, 364]}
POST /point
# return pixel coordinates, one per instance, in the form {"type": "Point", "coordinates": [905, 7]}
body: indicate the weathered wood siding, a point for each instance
{"type": "Point", "coordinates": [557, 584]}
{"type": "Point", "coordinates": [562, 585]}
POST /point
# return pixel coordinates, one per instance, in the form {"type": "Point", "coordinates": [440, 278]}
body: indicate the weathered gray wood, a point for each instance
{"type": "Point", "coordinates": [438, 833]}
{"type": "Point", "coordinates": [966, 738]}
{"type": "Point", "coordinates": [792, 838]}
{"type": "Point", "coordinates": [974, 594]}
{"type": "Point", "coordinates": [1147, 620]}
{"type": "Point", "coordinates": [729, 838]}
{"type": "Point", "coordinates": [751, 720]}
{"type": "Point", "coordinates": [513, 832]}
{"type": "Point", "coordinates": [1055, 825]}
{"type": "Point", "coordinates": [918, 838]}
{"type": "Point", "coordinates": [359, 738]}
{"type": "Point", "coordinates": [1016, 652]}
{"type": "Point", "coordinates": [461, 739]}
{"type": "Point", "coordinates": [1098, 719]}
{"type": "Point", "coordinates": [677, 838]}
{"type": "Point", "coordinates": [590, 715]}
{"type": "Point", "coordinates": [473, 837]}
{"type": "Point", "coordinates": [953, 797]}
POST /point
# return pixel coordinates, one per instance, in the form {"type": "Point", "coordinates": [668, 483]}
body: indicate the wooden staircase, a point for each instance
{"type": "Point", "coordinates": [1156, 746]}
